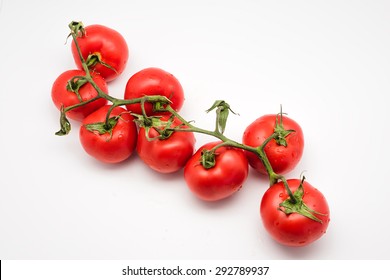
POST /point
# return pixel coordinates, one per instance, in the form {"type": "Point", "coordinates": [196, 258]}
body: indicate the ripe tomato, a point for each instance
{"type": "Point", "coordinates": [106, 45]}
{"type": "Point", "coordinates": [282, 158]}
{"type": "Point", "coordinates": [294, 229]}
{"type": "Point", "coordinates": [218, 182]}
{"type": "Point", "coordinates": [62, 96]}
{"type": "Point", "coordinates": [153, 81]}
{"type": "Point", "coordinates": [109, 145]}
{"type": "Point", "coordinates": [165, 155]}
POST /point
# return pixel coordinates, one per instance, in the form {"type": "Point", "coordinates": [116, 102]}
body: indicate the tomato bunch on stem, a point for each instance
{"type": "Point", "coordinates": [293, 211]}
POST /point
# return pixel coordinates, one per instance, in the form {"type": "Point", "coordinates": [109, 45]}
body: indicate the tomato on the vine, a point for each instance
{"type": "Point", "coordinates": [69, 89]}
{"type": "Point", "coordinates": [283, 153]}
{"type": "Point", "coordinates": [287, 226]}
{"type": "Point", "coordinates": [113, 143]}
{"type": "Point", "coordinates": [166, 153]}
{"type": "Point", "coordinates": [104, 49]}
{"type": "Point", "coordinates": [153, 81]}
{"type": "Point", "coordinates": [228, 173]}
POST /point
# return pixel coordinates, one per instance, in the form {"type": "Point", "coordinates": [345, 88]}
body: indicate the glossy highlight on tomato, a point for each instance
{"type": "Point", "coordinates": [283, 159]}
{"type": "Point", "coordinates": [294, 229]}
{"type": "Point", "coordinates": [218, 182]}
{"type": "Point", "coordinates": [61, 96]}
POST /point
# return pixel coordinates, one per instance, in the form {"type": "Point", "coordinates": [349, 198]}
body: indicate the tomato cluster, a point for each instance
{"type": "Point", "coordinates": [147, 121]}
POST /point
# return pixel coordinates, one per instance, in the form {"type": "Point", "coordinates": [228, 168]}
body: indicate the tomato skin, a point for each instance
{"type": "Point", "coordinates": [221, 181]}
{"type": "Point", "coordinates": [166, 155]}
{"type": "Point", "coordinates": [282, 159]}
{"type": "Point", "coordinates": [153, 81]}
{"type": "Point", "coordinates": [103, 148]}
{"type": "Point", "coordinates": [62, 97]}
{"type": "Point", "coordinates": [294, 229]}
{"type": "Point", "coordinates": [106, 42]}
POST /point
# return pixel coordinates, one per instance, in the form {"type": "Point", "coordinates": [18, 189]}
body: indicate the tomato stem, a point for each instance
{"type": "Point", "coordinates": [259, 151]}
{"type": "Point", "coordinates": [222, 113]}
{"type": "Point", "coordinates": [75, 29]}
{"type": "Point", "coordinates": [293, 200]}
{"type": "Point", "coordinates": [69, 108]}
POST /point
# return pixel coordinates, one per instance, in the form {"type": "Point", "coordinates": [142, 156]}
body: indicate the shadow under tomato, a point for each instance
{"type": "Point", "coordinates": [163, 178]}
{"type": "Point", "coordinates": [116, 166]}
{"type": "Point", "coordinates": [218, 204]}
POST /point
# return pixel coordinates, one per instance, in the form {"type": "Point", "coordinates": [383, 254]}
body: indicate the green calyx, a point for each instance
{"type": "Point", "coordinates": [223, 110]}
{"type": "Point", "coordinates": [297, 205]}
{"type": "Point", "coordinates": [96, 58]}
{"type": "Point", "coordinates": [103, 127]}
{"type": "Point", "coordinates": [207, 159]}
{"type": "Point", "coordinates": [280, 133]}
{"type": "Point", "coordinates": [75, 84]}
{"type": "Point", "coordinates": [164, 128]}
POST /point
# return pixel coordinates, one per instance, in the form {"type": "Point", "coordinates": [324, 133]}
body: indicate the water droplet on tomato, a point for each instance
{"type": "Point", "coordinates": [281, 194]}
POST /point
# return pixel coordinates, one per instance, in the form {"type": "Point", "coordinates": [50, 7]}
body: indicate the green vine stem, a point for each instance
{"type": "Point", "coordinates": [161, 103]}
{"type": "Point", "coordinates": [77, 29]}
{"type": "Point", "coordinates": [259, 151]}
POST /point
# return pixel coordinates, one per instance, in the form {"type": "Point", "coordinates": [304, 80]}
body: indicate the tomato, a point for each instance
{"type": "Point", "coordinates": [224, 179]}
{"type": "Point", "coordinates": [109, 145]}
{"type": "Point", "coordinates": [62, 96]}
{"type": "Point", "coordinates": [165, 155]}
{"type": "Point", "coordinates": [282, 158]}
{"type": "Point", "coordinates": [294, 229]}
{"type": "Point", "coordinates": [153, 81]}
{"type": "Point", "coordinates": [108, 48]}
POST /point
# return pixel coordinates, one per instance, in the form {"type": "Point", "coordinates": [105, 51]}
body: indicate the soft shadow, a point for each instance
{"type": "Point", "coordinates": [165, 178]}
{"type": "Point", "coordinates": [216, 204]}
{"type": "Point", "coordinates": [116, 166]}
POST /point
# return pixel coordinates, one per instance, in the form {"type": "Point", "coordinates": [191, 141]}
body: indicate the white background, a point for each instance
{"type": "Point", "coordinates": [326, 62]}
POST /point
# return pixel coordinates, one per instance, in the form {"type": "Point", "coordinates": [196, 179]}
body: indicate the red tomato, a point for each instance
{"type": "Point", "coordinates": [153, 81]}
{"type": "Point", "coordinates": [61, 96]}
{"type": "Point", "coordinates": [107, 45]}
{"type": "Point", "coordinates": [282, 158]}
{"type": "Point", "coordinates": [224, 179]}
{"type": "Point", "coordinates": [109, 146]}
{"type": "Point", "coordinates": [294, 229]}
{"type": "Point", "coordinates": [166, 155]}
